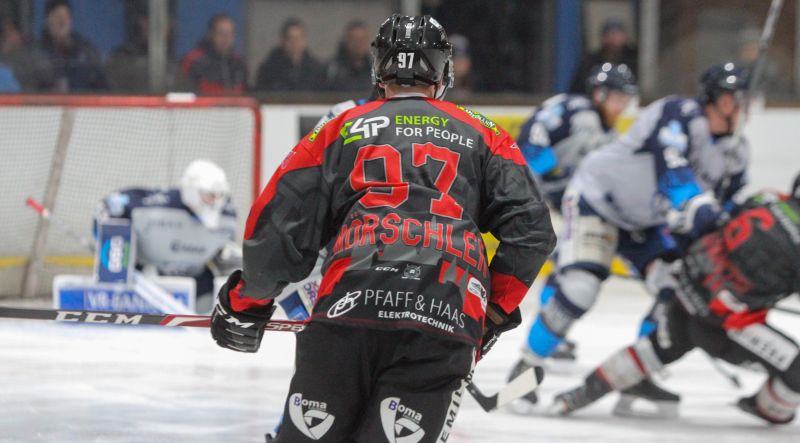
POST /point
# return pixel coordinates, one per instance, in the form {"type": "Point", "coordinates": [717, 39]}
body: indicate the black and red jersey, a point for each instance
{"type": "Point", "coordinates": [753, 259]}
{"type": "Point", "coordinates": [399, 191]}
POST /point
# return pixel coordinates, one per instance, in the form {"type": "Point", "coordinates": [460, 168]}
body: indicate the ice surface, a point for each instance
{"type": "Point", "coordinates": [79, 383]}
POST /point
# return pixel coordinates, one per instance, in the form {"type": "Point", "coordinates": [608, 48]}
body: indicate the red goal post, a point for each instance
{"type": "Point", "coordinates": [69, 151]}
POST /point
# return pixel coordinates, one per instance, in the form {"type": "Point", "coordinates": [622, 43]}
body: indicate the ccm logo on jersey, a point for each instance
{"type": "Point", "coordinates": [344, 305]}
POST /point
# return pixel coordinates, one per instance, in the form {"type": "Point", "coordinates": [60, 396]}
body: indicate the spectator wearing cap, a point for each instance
{"type": "Point", "coordinates": [615, 47]}
{"type": "Point", "coordinates": [290, 66]}
{"type": "Point", "coordinates": [351, 67]}
{"type": "Point", "coordinates": [75, 60]}
{"type": "Point", "coordinates": [214, 66]}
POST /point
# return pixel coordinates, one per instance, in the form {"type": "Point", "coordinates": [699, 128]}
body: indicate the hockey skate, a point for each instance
{"type": "Point", "coordinates": [748, 404]}
{"type": "Point", "coordinates": [592, 390]}
{"type": "Point", "coordinates": [660, 402]}
{"type": "Point", "coordinates": [565, 351]}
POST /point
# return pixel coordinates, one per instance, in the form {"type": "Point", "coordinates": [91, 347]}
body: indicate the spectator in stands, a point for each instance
{"type": "Point", "coordinates": [462, 67]}
{"type": "Point", "coordinates": [214, 66]}
{"type": "Point", "coordinates": [614, 48]}
{"type": "Point", "coordinates": [8, 83]}
{"type": "Point", "coordinates": [75, 60]}
{"type": "Point", "coordinates": [29, 65]}
{"type": "Point", "coordinates": [128, 66]}
{"type": "Point", "coordinates": [350, 69]}
{"type": "Point", "coordinates": [290, 66]}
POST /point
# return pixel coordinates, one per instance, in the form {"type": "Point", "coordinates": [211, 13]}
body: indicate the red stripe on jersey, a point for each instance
{"type": "Point", "coordinates": [499, 144]}
{"type": "Point", "coordinates": [443, 270]}
{"type": "Point", "coordinates": [333, 275]}
{"type": "Point", "coordinates": [306, 154]}
{"type": "Point", "coordinates": [241, 302]}
{"type": "Point", "coordinates": [507, 291]}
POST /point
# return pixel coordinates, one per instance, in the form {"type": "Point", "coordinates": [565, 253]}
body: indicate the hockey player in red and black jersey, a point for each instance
{"type": "Point", "coordinates": [724, 287]}
{"type": "Point", "coordinates": [399, 189]}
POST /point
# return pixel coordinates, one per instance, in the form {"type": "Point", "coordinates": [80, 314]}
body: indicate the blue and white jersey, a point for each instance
{"type": "Point", "coordinates": [169, 236]}
{"type": "Point", "coordinates": [557, 137]}
{"type": "Point", "coordinates": [667, 158]}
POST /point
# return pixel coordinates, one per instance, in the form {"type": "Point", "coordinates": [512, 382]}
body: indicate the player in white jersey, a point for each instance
{"type": "Point", "coordinates": [562, 131]}
{"type": "Point", "coordinates": [667, 178]}
{"type": "Point", "coordinates": [183, 231]}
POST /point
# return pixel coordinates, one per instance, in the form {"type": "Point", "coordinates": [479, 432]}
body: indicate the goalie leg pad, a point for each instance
{"type": "Point", "coordinates": [575, 292]}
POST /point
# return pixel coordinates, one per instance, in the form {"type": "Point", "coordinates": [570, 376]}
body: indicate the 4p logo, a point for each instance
{"type": "Point", "coordinates": [400, 423]}
{"type": "Point", "coordinates": [315, 422]}
{"type": "Point", "coordinates": [363, 128]}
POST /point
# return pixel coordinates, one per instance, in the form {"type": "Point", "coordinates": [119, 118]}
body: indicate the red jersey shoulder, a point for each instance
{"type": "Point", "coordinates": [496, 138]}
{"type": "Point", "coordinates": [327, 131]}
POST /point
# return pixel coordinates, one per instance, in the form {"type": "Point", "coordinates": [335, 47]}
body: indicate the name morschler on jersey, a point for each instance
{"type": "Point", "coordinates": [401, 190]}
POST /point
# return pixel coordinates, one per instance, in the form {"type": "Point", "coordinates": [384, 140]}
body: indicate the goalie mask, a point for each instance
{"type": "Point", "coordinates": [413, 50]}
{"type": "Point", "coordinates": [205, 190]}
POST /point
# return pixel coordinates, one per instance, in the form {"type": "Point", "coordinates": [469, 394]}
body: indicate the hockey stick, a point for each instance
{"type": "Point", "coordinates": [733, 378]}
{"type": "Point", "coordinates": [148, 290]}
{"type": "Point", "coordinates": [522, 385]}
{"type": "Point", "coordinates": [129, 318]}
{"type": "Point", "coordinates": [786, 310]}
{"type": "Point", "coordinates": [763, 46]}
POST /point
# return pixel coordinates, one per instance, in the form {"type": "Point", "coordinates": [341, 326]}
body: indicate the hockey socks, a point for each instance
{"type": "Point", "coordinates": [775, 402]}
{"type": "Point", "coordinates": [623, 370]}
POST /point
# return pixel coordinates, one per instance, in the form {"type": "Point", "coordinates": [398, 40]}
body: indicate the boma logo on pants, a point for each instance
{"type": "Point", "coordinates": [314, 422]}
{"type": "Point", "coordinates": [400, 423]}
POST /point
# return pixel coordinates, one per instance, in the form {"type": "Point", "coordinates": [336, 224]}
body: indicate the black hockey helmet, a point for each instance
{"type": "Point", "coordinates": [412, 50]}
{"type": "Point", "coordinates": [612, 77]}
{"type": "Point", "coordinates": [722, 78]}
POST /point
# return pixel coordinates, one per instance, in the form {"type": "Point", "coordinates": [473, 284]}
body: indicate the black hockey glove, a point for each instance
{"type": "Point", "coordinates": [497, 322]}
{"type": "Point", "coordinates": [236, 330]}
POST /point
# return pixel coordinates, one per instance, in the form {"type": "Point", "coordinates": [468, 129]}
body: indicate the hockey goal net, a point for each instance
{"type": "Point", "coordinates": [101, 144]}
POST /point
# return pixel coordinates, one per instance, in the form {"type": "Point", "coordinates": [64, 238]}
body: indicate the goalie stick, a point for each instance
{"type": "Point", "coordinates": [520, 386]}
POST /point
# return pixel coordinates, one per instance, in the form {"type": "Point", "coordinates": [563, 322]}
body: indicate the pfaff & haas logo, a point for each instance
{"type": "Point", "coordinates": [401, 424]}
{"type": "Point", "coordinates": [412, 272]}
{"type": "Point", "coordinates": [309, 416]}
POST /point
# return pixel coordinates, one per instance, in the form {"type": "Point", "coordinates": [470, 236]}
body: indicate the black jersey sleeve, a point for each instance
{"type": "Point", "coordinates": [515, 213]}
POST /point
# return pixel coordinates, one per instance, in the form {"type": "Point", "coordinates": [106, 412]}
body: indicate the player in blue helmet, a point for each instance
{"type": "Point", "coordinates": [568, 126]}
{"type": "Point", "coordinates": [564, 130]}
{"type": "Point", "coordinates": [669, 176]}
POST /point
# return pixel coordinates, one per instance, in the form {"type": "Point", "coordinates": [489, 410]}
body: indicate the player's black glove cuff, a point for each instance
{"type": "Point", "coordinates": [497, 322]}
{"type": "Point", "coordinates": [237, 330]}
